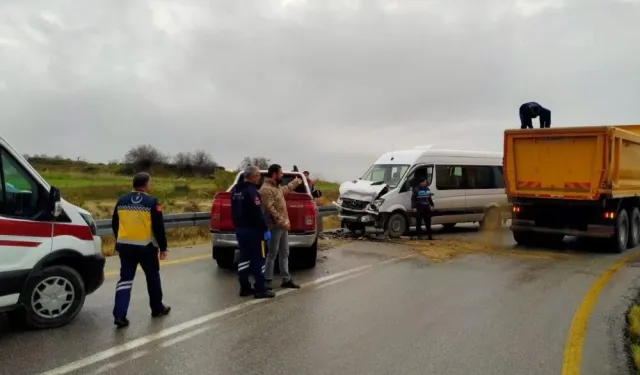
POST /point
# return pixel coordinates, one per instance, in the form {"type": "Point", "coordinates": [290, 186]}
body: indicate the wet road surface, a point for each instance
{"type": "Point", "coordinates": [464, 304]}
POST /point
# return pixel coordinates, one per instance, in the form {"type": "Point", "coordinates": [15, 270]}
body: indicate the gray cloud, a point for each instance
{"type": "Point", "coordinates": [327, 85]}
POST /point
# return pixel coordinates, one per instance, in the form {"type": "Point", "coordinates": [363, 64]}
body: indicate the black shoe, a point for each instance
{"type": "Point", "coordinates": [246, 292]}
{"type": "Point", "coordinates": [268, 284]}
{"type": "Point", "coordinates": [121, 322]}
{"type": "Point", "coordinates": [165, 311]}
{"type": "Point", "coordinates": [264, 295]}
{"type": "Point", "coordinates": [430, 237]}
{"type": "Point", "coordinates": [289, 284]}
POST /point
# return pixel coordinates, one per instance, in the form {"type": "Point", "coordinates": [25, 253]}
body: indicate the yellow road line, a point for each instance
{"type": "Point", "coordinates": [167, 263]}
{"type": "Point", "coordinates": [578, 329]}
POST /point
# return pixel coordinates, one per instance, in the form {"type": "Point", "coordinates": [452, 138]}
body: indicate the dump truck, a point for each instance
{"type": "Point", "coordinates": [574, 181]}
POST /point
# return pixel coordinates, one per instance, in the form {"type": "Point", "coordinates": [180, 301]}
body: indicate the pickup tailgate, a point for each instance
{"type": "Point", "coordinates": [302, 212]}
{"type": "Point", "coordinates": [300, 207]}
{"type": "Point", "coordinates": [555, 163]}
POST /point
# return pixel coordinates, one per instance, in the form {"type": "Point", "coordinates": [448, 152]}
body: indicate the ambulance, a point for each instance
{"type": "Point", "coordinates": [50, 251]}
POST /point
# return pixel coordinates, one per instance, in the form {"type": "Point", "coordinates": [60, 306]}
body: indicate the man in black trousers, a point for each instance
{"type": "Point", "coordinates": [531, 110]}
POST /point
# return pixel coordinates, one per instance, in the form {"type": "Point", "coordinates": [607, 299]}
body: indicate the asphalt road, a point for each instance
{"type": "Point", "coordinates": [368, 308]}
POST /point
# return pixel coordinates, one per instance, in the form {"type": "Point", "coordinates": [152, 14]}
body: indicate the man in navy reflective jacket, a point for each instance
{"type": "Point", "coordinates": [422, 205]}
{"type": "Point", "coordinates": [251, 232]}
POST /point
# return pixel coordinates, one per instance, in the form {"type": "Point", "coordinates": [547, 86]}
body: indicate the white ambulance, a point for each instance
{"type": "Point", "coordinates": [50, 251]}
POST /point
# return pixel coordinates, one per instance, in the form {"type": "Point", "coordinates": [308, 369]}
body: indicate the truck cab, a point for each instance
{"type": "Point", "coordinates": [50, 252]}
{"type": "Point", "coordinates": [303, 215]}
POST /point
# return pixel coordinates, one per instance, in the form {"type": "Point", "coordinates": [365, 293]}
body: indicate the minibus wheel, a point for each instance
{"type": "Point", "coordinates": [53, 298]}
{"type": "Point", "coordinates": [397, 225]}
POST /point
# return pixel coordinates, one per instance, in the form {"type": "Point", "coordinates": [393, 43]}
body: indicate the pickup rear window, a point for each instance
{"type": "Point", "coordinates": [285, 180]}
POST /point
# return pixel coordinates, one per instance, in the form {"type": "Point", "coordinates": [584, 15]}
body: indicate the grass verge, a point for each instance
{"type": "Point", "coordinates": [633, 336]}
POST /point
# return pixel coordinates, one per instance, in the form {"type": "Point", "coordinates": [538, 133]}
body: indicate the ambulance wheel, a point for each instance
{"type": "Point", "coordinates": [397, 225]}
{"type": "Point", "coordinates": [53, 298]}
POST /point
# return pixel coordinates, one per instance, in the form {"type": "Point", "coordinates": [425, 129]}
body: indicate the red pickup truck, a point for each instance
{"type": "Point", "coordinates": [303, 215]}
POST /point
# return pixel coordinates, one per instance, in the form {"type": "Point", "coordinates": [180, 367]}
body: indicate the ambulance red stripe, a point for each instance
{"type": "Point", "coordinates": [19, 243]}
{"type": "Point", "coordinates": [10, 227]}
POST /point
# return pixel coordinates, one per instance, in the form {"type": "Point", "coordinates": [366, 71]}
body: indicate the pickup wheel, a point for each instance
{"type": "Point", "coordinates": [620, 240]}
{"type": "Point", "coordinates": [397, 225]}
{"type": "Point", "coordinates": [634, 230]}
{"type": "Point", "coordinates": [225, 257]}
{"type": "Point", "coordinates": [309, 257]}
{"type": "Point", "coordinates": [53, 298]}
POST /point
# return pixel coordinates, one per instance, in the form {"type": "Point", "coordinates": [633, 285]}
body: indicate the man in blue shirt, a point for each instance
{"type": "Point", "coordinates": [251, 232]}
{"type": "Point", "coordinates": [422, 205]}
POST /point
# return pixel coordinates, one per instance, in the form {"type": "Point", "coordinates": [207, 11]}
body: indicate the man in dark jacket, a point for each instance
{"type": "Point", "coordinates": [422, 204]}
{"type": "Point", "coordinates": [531, 110]}
{"type": "Point", "coordinates": [138, 226]}
{"type": "Point", "coordinates": [251, 232]}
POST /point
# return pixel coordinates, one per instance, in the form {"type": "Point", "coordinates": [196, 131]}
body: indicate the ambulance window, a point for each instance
{"type": "Point", "coordinates": [19, 191]}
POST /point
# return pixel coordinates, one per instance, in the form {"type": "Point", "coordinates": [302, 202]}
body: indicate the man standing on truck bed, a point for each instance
{"type": "Point", "coordinates": [278, 219]}
{"type": "Point", "coordinates": [138, 226]}
{"type": "Point", "coordinates": [532, 110]}
{"type": "Point", "coordinates": [251, 232]}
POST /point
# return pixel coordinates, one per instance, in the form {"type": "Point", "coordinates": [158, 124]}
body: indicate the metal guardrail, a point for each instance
{"type": "Point", "coordinates": [195, 219]}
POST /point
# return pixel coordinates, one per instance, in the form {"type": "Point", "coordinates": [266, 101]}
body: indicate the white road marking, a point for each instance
{"type": "Point", "coordinates": [186, 336]}
{"type": "Point", "coordinates": [393, 260]}
{"type": "Point", "coordinates": [131, 345]}
{"type": "Point", "coordinates": [345, 278]}
{"type": "Point", "coordinates": [112, 365]}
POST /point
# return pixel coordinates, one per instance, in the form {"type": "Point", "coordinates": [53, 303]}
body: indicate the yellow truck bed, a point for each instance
{"type": "Point", "coordinates": [580, 163]}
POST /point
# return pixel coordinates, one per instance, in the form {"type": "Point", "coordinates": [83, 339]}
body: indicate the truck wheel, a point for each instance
{"type": "Point", "coordinates": [550, 240]}
{"type": "Point", "coordinates": [526, 239]}
{"type": "Point", "coordinates": [309, 257]}
{"type": "Point", "coordinates": [491, 220]}
{"type": "Point", "coordinates": [621, 237]}
{"type": "Point", "coordinates": [53, 298]}
{"type": "Point", "coordinates": [634, 230]}
{"type": "Point", "coordinates": [397, 225]}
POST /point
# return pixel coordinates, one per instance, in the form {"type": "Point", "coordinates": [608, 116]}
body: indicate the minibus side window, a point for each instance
{"type": "Point", "coordinates": [449, 177]}
{"type": "Point", "coordinates": [498, 177]}
{"type": "Point", "coordinates": [20, 193]}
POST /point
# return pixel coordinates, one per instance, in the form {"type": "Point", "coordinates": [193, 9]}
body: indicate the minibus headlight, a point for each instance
{"type": "Point", "coordinates": [376, 204]}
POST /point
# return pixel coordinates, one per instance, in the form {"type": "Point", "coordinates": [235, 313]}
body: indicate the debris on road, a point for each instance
{"type": "Point", "coordinates": [440, 250]}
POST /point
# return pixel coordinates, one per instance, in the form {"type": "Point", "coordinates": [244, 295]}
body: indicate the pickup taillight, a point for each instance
{"type": "Point", "coordinates": [216, 210]}
{"type": "Point", "coordinates": [310, 214]}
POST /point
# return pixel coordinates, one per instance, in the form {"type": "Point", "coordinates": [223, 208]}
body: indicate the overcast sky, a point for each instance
{"type": "Point", "coordinates": [326, 84]}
